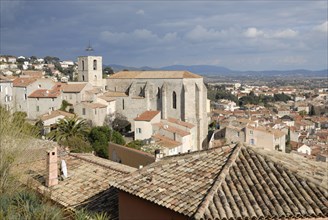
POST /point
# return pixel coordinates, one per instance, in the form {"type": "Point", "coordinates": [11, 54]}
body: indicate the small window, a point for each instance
{"type": "Point", "coordinates": [37, 108]}
{"type": "Point", "coordinates": [39, 86]}
{"type": "Point", "coordinates": [174, 100]}
{"type": "Point", "coordinates": [83, 111]}
{"type": "Point", "coordinates": [94, 64]}
{"type": "Point", "coordinates": [251, 131]}
{"type": "Point", "coordinates": [25, 96]}
{"type": "Point", "coordinates": [138, 130]}
{"type": "Point", "coordinates": [83, 67]}
{"type": "Point", "coordinates": [158, 93]}
{"type": "Point", "coordinates": [123, 104]}
{"type": "Point", "coordinates": [52, 99]}
{"type": "Point", "coordinates": [82, 77]}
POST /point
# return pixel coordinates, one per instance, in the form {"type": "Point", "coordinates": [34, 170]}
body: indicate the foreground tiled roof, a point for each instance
{"type": "Point", "coordinates": [87, 185]}
{"type": "Point", "coordinates": [147, 116]}
{"type": "Point", "coordinates": [154, 75]}
{"type": "Point", "coordinates": [179, 182]}
{"type": "Point", "coordinates": [234, 183]}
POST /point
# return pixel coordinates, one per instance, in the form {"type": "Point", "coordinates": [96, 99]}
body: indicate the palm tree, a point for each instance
{"type": "Point", "coordinates": [69, 130]}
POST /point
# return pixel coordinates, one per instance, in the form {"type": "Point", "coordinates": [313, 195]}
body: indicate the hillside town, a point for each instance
{"type": "Point", "coordinates": [190, 149]}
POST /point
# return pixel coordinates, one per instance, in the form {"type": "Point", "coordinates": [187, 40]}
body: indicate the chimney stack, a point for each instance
{"type": "Point", "coordinates": [52, 168]}
{"type": "Point", "coordinates": [158, 155]}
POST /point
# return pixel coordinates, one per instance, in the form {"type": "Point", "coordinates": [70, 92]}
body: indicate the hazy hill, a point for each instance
{"type": "Point", "coordinates": [210, 70]}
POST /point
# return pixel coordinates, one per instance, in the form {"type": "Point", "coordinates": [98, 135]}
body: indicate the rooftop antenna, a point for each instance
{"type": "Point", "coordinates": [89, 48]}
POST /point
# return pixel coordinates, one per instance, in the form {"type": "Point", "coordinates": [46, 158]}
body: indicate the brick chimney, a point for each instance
{"type": "Point", "coordinates": [52, 168]}
{"type": "Point", "coordinates": [158, 155]}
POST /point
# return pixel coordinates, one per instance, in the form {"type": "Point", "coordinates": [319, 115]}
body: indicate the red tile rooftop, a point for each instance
{"type": "Point", "coordinates": [147, 116]}
{"type": "Point", "coordinates": [44, 93]}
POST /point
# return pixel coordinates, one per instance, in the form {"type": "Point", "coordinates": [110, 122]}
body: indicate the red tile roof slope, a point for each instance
{"type": "Point", "coordinates": [45, 93]}
{"type": "Point", "coordinates": [147, 116]}
{"type": "Point", "coordinates": [23, 82]}
{"type": "Point", "coordinates": [236, 183]}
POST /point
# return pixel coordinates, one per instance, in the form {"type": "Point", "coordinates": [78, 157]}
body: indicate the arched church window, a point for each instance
{"type": "Point", "coordinates": [82, 64]}
{"type": "Point", "coordinates": [158, 93]}
{"type": "Point", "coordinates": [174, 100]}
{"type": "Point", "coordinates": [94, 64]}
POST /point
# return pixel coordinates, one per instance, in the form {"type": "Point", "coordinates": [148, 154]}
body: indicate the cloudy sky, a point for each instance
{"type": "Point", "coordinates": [241, 35]}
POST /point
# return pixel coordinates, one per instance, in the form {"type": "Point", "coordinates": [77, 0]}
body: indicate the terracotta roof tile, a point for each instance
{"type": "Point", "coordinates": [23, 82]}
{"type": "Point", "coordinates": [165, 141]}
{"type": "Point", "coordinates": [237, 183]}
{"type": "Point", "coordinates": [75, 88]}
{"type": "Point", "coordinates": [45, 93]}
{"type": "Point", "coordinates": [94, 105]}
{"type": "Point", "coordinates": [182, 123]}
{"type": "Point", "coordinates": [54, 114]}
{"type": "Point", "coordinates": [87, 185]}
{"type": "Point", "coordinates": [154, 75]}
{"type": "Point", "coordinates": [147, 116]}
{"type": "Point", "coordinates": [115, 94]}
{"type": "Point", "coordinates": [171, 129]}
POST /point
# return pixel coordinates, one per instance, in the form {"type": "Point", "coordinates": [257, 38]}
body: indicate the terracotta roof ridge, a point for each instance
{"type": "Point", "coordinates": [80, 156]}
{"type": "Point", "coordinates": [191, 153]}
{"type": "Point", "coordinates": [285, 167]}
{"type": "Point", "coordinates": [217, 183]}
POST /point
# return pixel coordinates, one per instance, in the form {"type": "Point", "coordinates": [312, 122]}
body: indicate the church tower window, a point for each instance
{"type": "Point", "coordinates": [158, 93]}
{"type": "Point", "coordinates": [174, 100]}
{"type": "Point", "coordinates": [82, 64]}
{"type": "Point", "coordinates": [94, 64]}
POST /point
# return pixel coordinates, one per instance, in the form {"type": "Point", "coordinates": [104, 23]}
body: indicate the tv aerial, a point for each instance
{"type": "Point", "coordinates": [89, 48]}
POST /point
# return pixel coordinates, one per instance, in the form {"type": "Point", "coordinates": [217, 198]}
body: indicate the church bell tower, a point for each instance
{"type": "Point", "coordinates": [90, 69]}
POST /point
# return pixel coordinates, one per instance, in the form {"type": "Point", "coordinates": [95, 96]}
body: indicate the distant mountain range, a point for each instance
{"type": "Point", "coordinates": [210, 70]}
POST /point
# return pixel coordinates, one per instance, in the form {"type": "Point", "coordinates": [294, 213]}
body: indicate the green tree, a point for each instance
{"type": "Point", "coordinates": [64, 105]}
{"type": "Point", "coordinates": [99, 138]}
{"type": "Point", "coordinates": [107, 71]}
{"type": "Point", "coordinates": [120, 123]}
{"type": "Point", "coordinates": [117, 138]}
{"type": "Point", "coordinates": [136, 144]}
{"type": "Point", "coordinates": [281, 97]}
{"type": "Point", "coordinates": [69, 130]}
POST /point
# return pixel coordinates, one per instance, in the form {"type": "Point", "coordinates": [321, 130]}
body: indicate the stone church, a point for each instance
{"type": "Point", "coordinates": [176, 94]}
